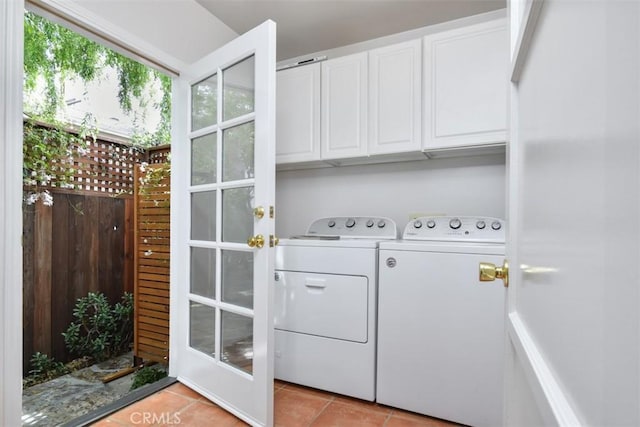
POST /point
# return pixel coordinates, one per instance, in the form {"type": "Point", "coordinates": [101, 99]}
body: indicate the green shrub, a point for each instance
{"type": "Point", "coordinates": [44, 367]}
{"type": "Point", "coordinates": [99, 330]}
{"type": "Point", "coordinates": [147, 375]}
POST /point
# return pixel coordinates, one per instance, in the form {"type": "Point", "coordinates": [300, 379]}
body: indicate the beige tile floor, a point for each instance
{"type": "Point", "coordinates": [295, 406]}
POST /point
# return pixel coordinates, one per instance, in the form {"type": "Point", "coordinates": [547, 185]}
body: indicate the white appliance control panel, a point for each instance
{"type": "Point", "coordinates": [354, 227]}
{"type": "Point", "coordinates": [456, 228]}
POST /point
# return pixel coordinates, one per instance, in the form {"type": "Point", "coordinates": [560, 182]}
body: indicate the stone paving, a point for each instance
{"type": "Point", "coordinates": [65, 398]}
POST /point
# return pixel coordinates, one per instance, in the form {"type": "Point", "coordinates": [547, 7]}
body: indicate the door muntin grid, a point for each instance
{"type": "Point", "coordinates": [222, 180]}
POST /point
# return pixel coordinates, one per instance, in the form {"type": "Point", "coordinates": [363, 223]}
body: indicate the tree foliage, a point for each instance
{"type": "Point", "coordinates": [57, 54]}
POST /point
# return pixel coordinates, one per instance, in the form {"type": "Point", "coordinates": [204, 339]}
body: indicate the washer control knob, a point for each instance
{"type": "Point", "coordinates": [431, 223]}
{"type": "Point", "coordinates": [370, 223]}
{"type": "Point", "coordinates": [331, 223]}
{"type": "Point", "coordinates": [455, 223]}
{"type": "Point", "coordinates": [417, 224]}
{"type": "Point", "coordinates": [496, 225]}
{"type": "Point", "coordinates": [382, 223]}
{"type": "Point", "coordinates": [480, 225]}
{"type": "Point", "coordinates": [350, 223]}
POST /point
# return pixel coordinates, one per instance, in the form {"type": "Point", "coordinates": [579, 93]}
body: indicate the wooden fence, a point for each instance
{"type": "Point", "coordinates": [151, 265]}
{"type": "Point", "coordinates": [81, 244]}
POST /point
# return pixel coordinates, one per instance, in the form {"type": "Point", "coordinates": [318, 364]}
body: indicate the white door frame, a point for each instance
{"type": "Point", "coordinates": [11, 118]}
{"type": "Point", "coordinates": [11, 59]}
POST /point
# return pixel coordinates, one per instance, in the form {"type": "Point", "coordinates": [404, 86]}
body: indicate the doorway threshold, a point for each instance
{"type": "Point", "coordinates": [123, 402]}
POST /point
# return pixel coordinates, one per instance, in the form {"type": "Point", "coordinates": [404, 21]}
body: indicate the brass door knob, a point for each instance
{"type": "Point", "coordinates": [258, 212]}
{"type": "Point", "coordinates": [256, 241]}
{"type": "Point", "coordinates": [490, 272]}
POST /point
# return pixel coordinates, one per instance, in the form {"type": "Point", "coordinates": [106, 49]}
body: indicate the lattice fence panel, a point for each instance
{"type": "Point", "coordinates": [151, 283]}
{"type": "Point", "coordinates": [105, 167]}
{"type": "Point", "coordinates": [158, 154]}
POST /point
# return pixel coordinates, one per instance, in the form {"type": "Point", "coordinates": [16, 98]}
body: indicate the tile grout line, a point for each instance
{"type": "Point", "coordinates": [192, 403]}
{"type": "Point", "coordinates": [386, 421]}
{"type": "Point", "coordinates": [111, 420]}
{"type": "Point", "coordinates": [182, 395]}
{"type": "Point", "coordinates": [321, 411]}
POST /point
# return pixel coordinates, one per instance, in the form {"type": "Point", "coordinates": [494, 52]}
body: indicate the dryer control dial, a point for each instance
{"type": "Point", "coordinates": [331, 223]}
{"type": "Point", "coordinates": [431, 223]}
{"type": "Point", "coordinates": [455, 223]}
{"type": "Point", "coordinates": [370, 223]}
{"type": "Point", "coordinates": [417, 224]}
{"type": "Point", "coordinates": [496, 225]}
{"type": "Point", "coordinates": [480, 225]}
{"type": "Point", "coordinates": [350, 223]}
{"type": "Point", "coordinates": [382, 223]}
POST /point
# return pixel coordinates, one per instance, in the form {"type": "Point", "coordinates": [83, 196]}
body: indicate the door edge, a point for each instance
{"type": "Point", "coordinates": [549, 396]}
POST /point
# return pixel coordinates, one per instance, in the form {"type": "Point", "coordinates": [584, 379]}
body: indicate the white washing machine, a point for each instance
{"type": "Point", "coordinates": [325, 305]}
{"type": "Point", "coordinates": [441, 330]}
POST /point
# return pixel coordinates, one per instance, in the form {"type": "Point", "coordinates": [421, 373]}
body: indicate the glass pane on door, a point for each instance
{"type": "Point", "coordinates": [237, 341]}
{"type": "Point", "coordinates": [204, 103]}
{"type": "Point", "coordinates": [203, 215]}
{"type": "Point", "coordinates": [238, 89]}
{"type": "Point", "coordinates": [203, 159]}
{"type": "Point", "coordinates": [237, 152]}
{"type": "Point", "coordinates": [237, 214]}
{"type": "Point", "coordinates": [203, 272]}
{"type": "Point", "coordinates": [237, 278]}
{"type": "Point", "coordinates": [202, 321]}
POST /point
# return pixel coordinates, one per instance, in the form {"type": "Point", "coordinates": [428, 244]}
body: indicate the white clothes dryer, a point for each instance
{"type": "Point", "coordinates": [325, 305]}
{"type": "Point", "coordinates": [441, 330]}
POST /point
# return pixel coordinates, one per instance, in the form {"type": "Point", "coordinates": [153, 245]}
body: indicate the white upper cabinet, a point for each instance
{"type": "Point", "coordinates": [344, 107]}
{"type": "Point", "coordinates": [446, 90]}
{"type": "Point", "coordinates": [465, 82]}
{"type": "Point", "coordinates": [298, 114]}
{"type": "Point", "coordinates": [395, 98]}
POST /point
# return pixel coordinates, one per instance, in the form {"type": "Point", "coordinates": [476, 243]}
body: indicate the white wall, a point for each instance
{"type": "Point", "coordinates": [456, 186]}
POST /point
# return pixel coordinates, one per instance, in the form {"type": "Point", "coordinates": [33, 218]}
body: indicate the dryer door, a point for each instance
{"type": "Point", "coordinates": [326, 305]}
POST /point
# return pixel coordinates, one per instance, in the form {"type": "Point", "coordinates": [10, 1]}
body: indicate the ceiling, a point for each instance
{"type": "Point", "coordinates": [308, 26]}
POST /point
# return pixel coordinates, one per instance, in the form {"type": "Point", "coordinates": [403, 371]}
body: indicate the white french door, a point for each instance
{"type": "Point", "coordinates": [223, 191]}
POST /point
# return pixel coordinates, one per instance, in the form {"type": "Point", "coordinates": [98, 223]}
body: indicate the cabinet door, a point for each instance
{"type": "Point", "coordinates": [466, 79]}
{"type": "Point", "coordinates": [344, 107]}
{"type": "Point", "coordinates": [298, 114]}
{"type": "Point", "coordinates": [395, 98]}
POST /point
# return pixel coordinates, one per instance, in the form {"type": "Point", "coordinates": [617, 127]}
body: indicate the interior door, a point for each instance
{"type": "Point", "coordinates": [223, 175]}
{"type": "Point", "coordinates": [573, 323]}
